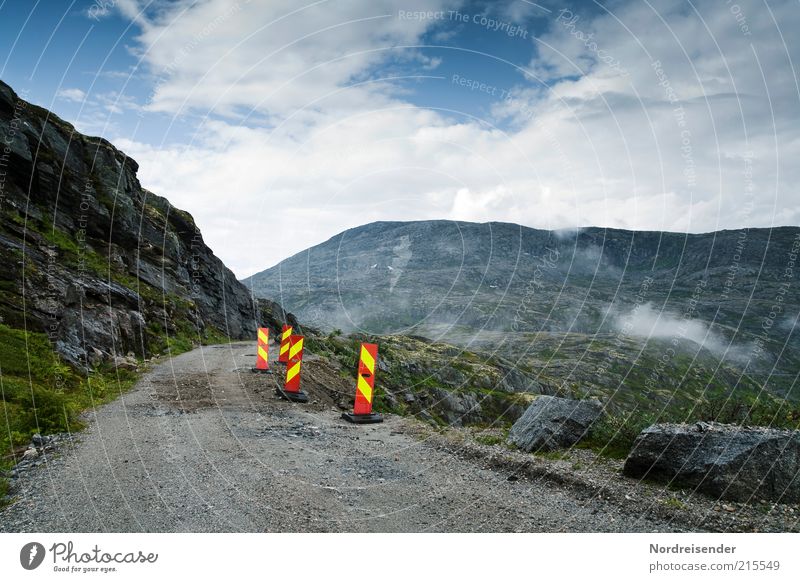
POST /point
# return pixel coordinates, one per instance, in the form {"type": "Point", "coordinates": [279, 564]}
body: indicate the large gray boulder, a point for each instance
{"type": "Point", "coordinates": [725, 461]}
{"type": "Point", "coordinates": [552, 423]}
{"type": "Point", "coordinates": [455, 408]}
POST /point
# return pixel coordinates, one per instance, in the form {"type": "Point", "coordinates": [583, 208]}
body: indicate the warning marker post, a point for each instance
{"type": "Point", "coordinates": [262, 355]}
{"type": "Point", "coordinates": [365, 384]}
{"type": "Point", "coordinates": [283, 352]}
{"type": "Point", "coordinates": [291, 388]}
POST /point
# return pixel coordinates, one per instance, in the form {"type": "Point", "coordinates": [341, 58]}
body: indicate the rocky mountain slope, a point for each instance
{"type": "Point", "coordinates": [569, 299]}
{"type": "Point", "coordinates": [92, 259]}
{"type": "Point", "coordinates": [97, 275]}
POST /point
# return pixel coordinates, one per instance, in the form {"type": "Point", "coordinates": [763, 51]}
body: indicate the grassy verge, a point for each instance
{"type": "Point", "coordinates": [614, 435]}
{"type": "Point", "coordinates": [686, 392]}
{"type": "Point", "coordinates": [39, 393]}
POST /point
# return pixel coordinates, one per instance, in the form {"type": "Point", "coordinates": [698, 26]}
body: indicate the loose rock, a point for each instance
{"type": "Point", "coordinates": [552, 423]}
{"type": "Point", "coordinates": [725, 461]}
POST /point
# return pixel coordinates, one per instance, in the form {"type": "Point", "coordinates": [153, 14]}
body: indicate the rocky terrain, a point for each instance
{"type": "Point", "coordinates": [538, 341]}
{"type": "Point", "coordinates": [211, 448]}
{"type": "Point", "coordinates": [97, 276]}
{"type": "Point", "coordinates": [490, 386]}
{"type": "Point", "coordinates": [728, 298]}
{"type": "Point", "coordinates": [93, 260]}
{"type": "Point", "coordinates": [724, 461]}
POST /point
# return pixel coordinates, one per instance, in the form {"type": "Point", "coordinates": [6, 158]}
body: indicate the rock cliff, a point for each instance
{"type": "Point", "coordinates": [89, 257]}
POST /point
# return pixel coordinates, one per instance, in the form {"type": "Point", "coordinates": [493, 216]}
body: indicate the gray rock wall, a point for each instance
{"type": "Point", "coordinates": [90, 257]}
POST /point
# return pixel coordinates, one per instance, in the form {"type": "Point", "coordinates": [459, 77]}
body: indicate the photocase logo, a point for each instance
{"type": "Point", "coordinates": [31, 555]}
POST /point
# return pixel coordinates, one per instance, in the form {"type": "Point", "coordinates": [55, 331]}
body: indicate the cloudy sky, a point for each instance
{"type": "Point", "coordinates": [279, 123]}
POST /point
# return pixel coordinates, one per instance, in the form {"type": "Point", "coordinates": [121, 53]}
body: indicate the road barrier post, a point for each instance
{"type": "Point", "coordinates": [262, 354]}
{"type": "Point", "coordinates": [283, 352]}
{"type": "Point", "coordinates": [365, 388]}
{"type": "Point", "coordinates": [291, 389]}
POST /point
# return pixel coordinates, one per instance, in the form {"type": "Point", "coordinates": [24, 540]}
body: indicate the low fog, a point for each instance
{"type": "Point", "coordinates": [648, 322]}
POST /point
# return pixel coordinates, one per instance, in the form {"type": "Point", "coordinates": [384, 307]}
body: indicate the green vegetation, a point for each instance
{"type": "Point", "coordinates": [42, 394]}
{"type": "Point", "coordinates": [763, 410]}
{"type": "Point", "coordinates": [674, 503]}
{"type": "Point", "coordinates": [689, 388]}
{"type": "Point", "coordinates": [173, 336]}
{"type": "Point", "coordinates": [614, 435]}
{"type": "Point", "coordinates": [39, 393]}
{"type": "Point", "coordinates": [80, 229]}
{"type": "Point", "coordinates": [490, 439]}
{"type": "Point", "coordinates": [182, 338]}
{"type": "Point", "coordinates": [72, 253]}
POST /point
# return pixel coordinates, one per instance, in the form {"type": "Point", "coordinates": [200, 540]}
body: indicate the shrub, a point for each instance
{"type": "Point", "coordinates": [613, 436]}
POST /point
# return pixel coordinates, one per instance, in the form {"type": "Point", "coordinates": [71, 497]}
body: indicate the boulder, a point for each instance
{"type": "Point", "coordinates": [455, 408]}
{"type": "Point", "coordinates": [552, 423]}
{"type": "Point", "coordinates": [126, 363]}
{"type": "Point", "coordinates": [724, 461]}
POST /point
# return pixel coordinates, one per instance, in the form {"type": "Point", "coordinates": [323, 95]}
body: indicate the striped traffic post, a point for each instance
{"type": "Point", "coordinates": [283, 352]}
{"type": "Point", "coordinates": [291, 388]}
{"type": "Point", "coordinates": [262, 351]}
{"type": "Point", "coordinates": [365, 387]}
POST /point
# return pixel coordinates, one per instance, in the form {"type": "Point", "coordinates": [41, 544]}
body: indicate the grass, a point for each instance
{"type": "Point", "coordinates": [39, 393]}
{"type": "Point", "coordinates": [614, 435]}
{"type": "Point", "coordinates": [674, 503]}
{"type": "Point", "coordinates": [182, 339]}
{"type": "Point", "coordinates": [84, 257]}
{"type": "Point", "coordinates": [490, 439]}
{"type": "Point", "coordinates": [552, 455]}
{"type": "Point", "coordinates": [688, 390]}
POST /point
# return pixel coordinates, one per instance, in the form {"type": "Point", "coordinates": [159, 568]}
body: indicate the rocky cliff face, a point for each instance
{"type": "Point", "coordinates": [94, 260]}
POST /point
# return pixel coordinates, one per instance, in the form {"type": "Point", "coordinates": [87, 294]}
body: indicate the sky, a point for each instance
{"type": "Point", "coordinates": [279, 124]}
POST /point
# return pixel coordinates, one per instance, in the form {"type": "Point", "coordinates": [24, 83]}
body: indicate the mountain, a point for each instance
{"type": "Point", "coordinates": [730, 296]}
{"type": "Point", "coordinates": [88, 257]}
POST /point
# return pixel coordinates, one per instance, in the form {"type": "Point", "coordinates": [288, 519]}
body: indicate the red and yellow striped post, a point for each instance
{"type": "Point", "coordinates": [291, 389]}
{"type": "Point", "coordinates": [294, 363]}
{"type": "Point", "coordinates": [262, 354]}
{"type": "Point", "coordinates": [283, 352]}
{"type": "Point", "coordinates": [365, 387]}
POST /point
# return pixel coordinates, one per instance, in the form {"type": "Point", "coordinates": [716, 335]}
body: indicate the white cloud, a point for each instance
{"type": "Point", "coordinates": [601, 148]}
{"type": "Point", "coordinates": [75, 95]}
{"type": "Point", "coordinates": [646, 321]}
{"type": "Point", "coordinates": [275, 56]}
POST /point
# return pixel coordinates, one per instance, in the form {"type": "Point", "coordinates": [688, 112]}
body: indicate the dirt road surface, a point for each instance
{"type": "Point", "coordinates": [202, 444]}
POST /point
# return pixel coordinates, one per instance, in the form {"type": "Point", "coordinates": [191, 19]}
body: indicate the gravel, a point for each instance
{"type": "Point", "coordinates": [203, 445]}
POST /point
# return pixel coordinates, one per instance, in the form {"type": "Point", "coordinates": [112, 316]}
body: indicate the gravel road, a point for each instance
{"type": "Point", "coordinates": [203, 444]}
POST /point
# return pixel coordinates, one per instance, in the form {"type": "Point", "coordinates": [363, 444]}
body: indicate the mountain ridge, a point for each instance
{"type": "Point", "coordinates": [459, 281]}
